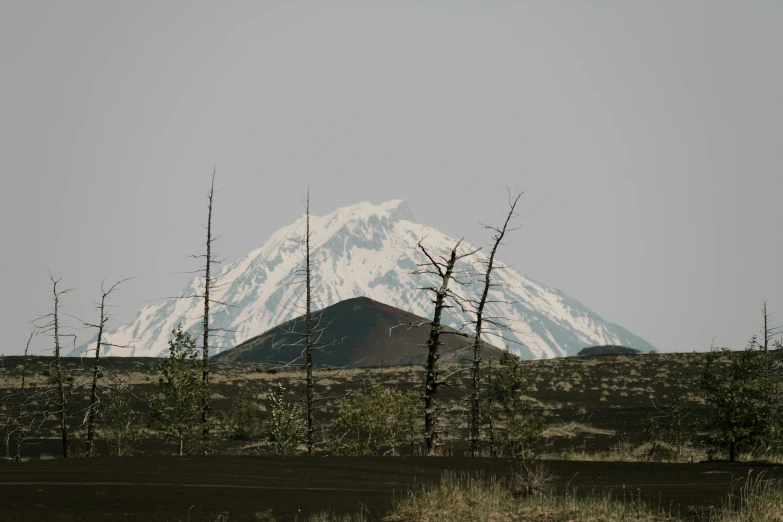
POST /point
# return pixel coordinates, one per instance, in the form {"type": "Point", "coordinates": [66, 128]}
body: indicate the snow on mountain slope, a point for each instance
{"type": "Point", "coordinates": [366, 250]}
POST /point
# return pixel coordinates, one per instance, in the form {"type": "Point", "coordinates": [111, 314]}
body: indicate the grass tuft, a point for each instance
{"type": "Point", "coordinates": [461, 497]}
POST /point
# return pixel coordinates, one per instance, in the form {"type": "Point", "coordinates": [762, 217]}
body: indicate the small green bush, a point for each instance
{"type": "Point", "coordinates": [285, 429]}
{"type": "Point", "coordinates": [516, 427]}
{"type": "Point", "coordinates": [376, 422]}
{"type": "Point", "coordinates": [242, 421]}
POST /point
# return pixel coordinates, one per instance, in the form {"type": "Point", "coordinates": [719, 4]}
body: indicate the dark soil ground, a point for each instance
{"type": "Point", "coordinates": [594, 408]}
{"type": "Point", "coordinates": [202, 488]}
{"type": "Point", "coordinates": [606, 398]}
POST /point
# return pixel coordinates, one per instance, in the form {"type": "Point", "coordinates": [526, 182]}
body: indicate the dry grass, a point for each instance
{"type": "Point", "coordinates": [467, 498]}
{"type": "Point", "coordinates": [623, 451]}
{"type": "Point", "coordinates": [759, 500]}
{"type": "Point", "coordinates": [572, 429]}
{"type": "Point", "coordinates": [531, 478]}
{"type": "Point", "coordinates": [463, 498]}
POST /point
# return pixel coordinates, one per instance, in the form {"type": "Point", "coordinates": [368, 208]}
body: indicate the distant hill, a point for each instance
{"type": "Point", "coordinates": [609, 349]}
{"type": "Point", "coordinates": [359, 327]}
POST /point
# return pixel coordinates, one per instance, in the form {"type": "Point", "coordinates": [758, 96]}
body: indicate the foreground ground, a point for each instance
{"type": "Point", "coordinates": [237, 488]}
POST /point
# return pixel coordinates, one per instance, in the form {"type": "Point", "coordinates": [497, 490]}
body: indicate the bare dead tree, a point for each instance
{"type": "Point", "coordinates": [23, 401]}
{"type": "Point", "coordinates": [490, 423]}
{"type": "Point", "coordinates": [213, 282]}
{"type": "Point", "coordinates": [309, 332]}
{"type": "Point", "coordinates": [499, 234]}
{"type": "Point", "coordinates": [54, 327]}
{"type": "Point", "coordinates": [27, 408]}
{"type": "Point", "coordinates": [312, 327]}
{"type": "Point", "coordinates": [58, 363]}
{"type": "Point", "coordinates": [205, 347]}
{"type": "Point", "coordinates": [768, 333]}
{"type": "Point", "coordinates": [443, 268]}
{"type": "Point", "coordinates": [771, 367]}
{"type": "Point", "coordinates": [92, 409]}
{"type": "Point", "coordinates": [311, 336]}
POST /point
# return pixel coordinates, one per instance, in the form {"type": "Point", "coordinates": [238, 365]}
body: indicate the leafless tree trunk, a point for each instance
{"type": "Point", "coordinates": [28, 410]}
{"type": "Point", "coordinates": [311, 339]}
{"type": "Point", "coordinates": [93, 407]}
{"type": "Point", "coordinates": [54, 327]}
{"type": "Point", "coordinates": [769, 332]}
{"type": "Point", "coordinates": [205, 352]}
{"type": "Point", "coordinates": [490, 424]}
{"type": "Point", "coordinates": [309, 333]}
{"type": "Point", "coordinates": [475, 421]}
{"type": "Point", "coordinates": [444, 269]}
{"type": "Point", "coordinates": [212, 284]}
{"type": "Point", "coordinates": [58, 366]}
{"type": "Point", "coordinates": [771, 367]}
{"type": "Point", "coordinates": [20, 431]}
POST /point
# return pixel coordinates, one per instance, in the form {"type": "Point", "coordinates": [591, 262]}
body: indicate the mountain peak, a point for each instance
{"type": "Point", "coordinates": [399, 210]}
{"type": "Point", "coordinates": [394, 210]}
{"type": "Point", "coordinates": [367, 250]}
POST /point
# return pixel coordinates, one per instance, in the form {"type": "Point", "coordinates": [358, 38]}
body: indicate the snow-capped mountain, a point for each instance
{"type": "Point", "coordinates": [366, 250]}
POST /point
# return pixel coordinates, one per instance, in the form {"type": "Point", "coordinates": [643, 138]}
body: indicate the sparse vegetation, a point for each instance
{"type": "Point", "coordinates": [566, 409]}
{"type": "Point", "coordinates": [242, 421]}
{"type": "Point", "coordinates": [175, 407]}
{"type": "Point", "coordinates": [123, 425]}
{"type": "Point", "coordinates": [516, 426]}
{"type": "Point", "coordinates": [462, 497]}
{"type": "Point", "coordinates": [376, 422]}
{"type": "Point", "coordinates": [286, 427]}
{"type": "Point", "coordinates": [742, 395]}
{"type": "Point", "coordinates": [670, 432]}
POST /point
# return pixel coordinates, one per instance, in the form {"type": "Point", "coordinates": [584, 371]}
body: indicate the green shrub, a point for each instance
{"type": "Point", "coordinates": [743, 396]}
{"type": "Point", "coordinates": [672, 432]}
{"type": "Point", "coordinates": [123, 425]}
{"type": "Point", "coordinates": [376, 422]}
{"type": "Point", "coordinates": [516, 427]}
{"type": "Point", "coordinates": [285, 429]}
{"type": "Point", "coordinates": [241, 421]}
{"type": "Point", "coordinates": [175, 407]}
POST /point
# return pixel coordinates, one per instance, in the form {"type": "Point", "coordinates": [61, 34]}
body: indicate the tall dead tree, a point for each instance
{"type": "Point", "coordinates": [23, 399]}
{"type": "Point", "coordinates": [54, 327]}
{"type": "Point", "coordinates": [212, 283]}
{"type": "Point", "coordinates": [490, 420]}
{"type": "Point", "coordinates": [205, 348]}
{"type": "Point", "coordinates": [312, 337]}
{"type": "Point", "coordinates": [444, 268]}
{"type": "Point", "coordinates": [768, 333]}
{"type": "Point", "coordinates": [475, 399]}
{"type": "Point", "coordinates": [26, 409]}
{"type": "Point", "coordinates": [92, 409]}
{"type": "Point", "coordinates": [309, 333]}
{"type": "Point", "coordinates": [771, 364]}
{"type": "Point", "coordinates": [311, 324]}
{"type": "Point", "coordinates": [20, 414]}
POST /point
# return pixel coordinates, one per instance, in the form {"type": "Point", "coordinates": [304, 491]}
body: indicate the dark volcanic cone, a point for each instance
{"type": "Point", "coordinates": [359, 329]}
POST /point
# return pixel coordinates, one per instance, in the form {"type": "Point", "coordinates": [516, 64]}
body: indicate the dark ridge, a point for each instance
{"type": "Point", "coordinates": [359, 329]}
{"type": "Point", "coordinates": [609, 349]}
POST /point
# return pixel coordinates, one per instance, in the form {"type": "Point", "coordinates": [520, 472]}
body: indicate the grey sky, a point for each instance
{"type": "Point", "coordinates": [650, 135]}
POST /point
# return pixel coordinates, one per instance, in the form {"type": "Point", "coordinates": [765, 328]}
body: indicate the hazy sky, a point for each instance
{"type": "Point", "coordinates": [649, 135]}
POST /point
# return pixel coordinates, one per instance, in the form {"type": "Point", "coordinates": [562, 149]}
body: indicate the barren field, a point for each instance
{"type": "Point", "coordinates": [593, 441]}
{"type": "Point", "coordinates": [203, 488]}
{"type": "Point", "coordinates": [592, 404]}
